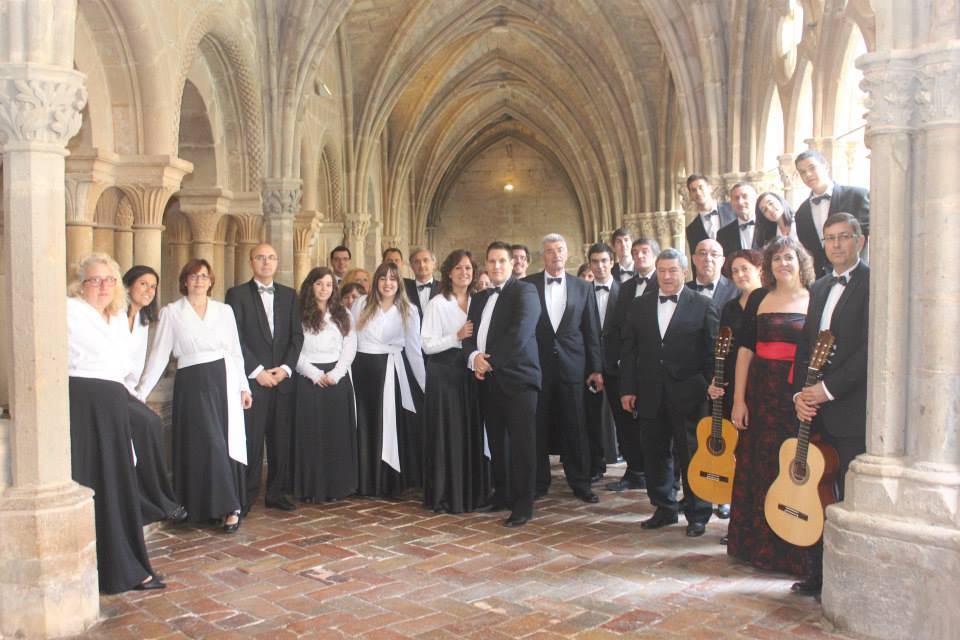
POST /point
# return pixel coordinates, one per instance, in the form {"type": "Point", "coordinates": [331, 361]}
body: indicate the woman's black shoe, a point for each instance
{"type": "Point", "coordinates": [231, 528]}
{"type": "Point", "coordinates": [178, 515]}
{"type": "Point", "coordinates": [151, 584]}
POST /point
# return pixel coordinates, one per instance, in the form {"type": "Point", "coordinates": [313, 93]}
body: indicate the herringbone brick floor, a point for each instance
{"type": "Point", "coordinates": [366, 568]}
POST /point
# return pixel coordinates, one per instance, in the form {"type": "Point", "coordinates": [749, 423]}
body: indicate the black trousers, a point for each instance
{"type": "Point", "coordinates": [509, 416]}
{"type": "Point", "coordinates": [269, 420]}
{"type": "Point", "coordinates": [847, 450]}
{"type": "Point", "coordinates": [561, 407]}
{"type": "Point", "coordinates": [629, 434]}
{"type": "Point", "coordinates": [679, 429]}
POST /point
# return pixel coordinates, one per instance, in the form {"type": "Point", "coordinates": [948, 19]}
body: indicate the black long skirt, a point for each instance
{"type": "Point", "coordinates": [157, 499]}
{"type": "Point", "coordinates": [325, 439]}
{"type": "Point", "coordinates": [102, 460]}
{"type": "Point", "coordinates": [376, 477]}
{"type": "Point", "coordinates": [209, 482]}
{"type": "Point", "coordinates": [456, 473]}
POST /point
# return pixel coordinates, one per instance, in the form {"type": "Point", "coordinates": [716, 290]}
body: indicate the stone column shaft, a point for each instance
{"type": "Point", "coordinates": [103, 240]}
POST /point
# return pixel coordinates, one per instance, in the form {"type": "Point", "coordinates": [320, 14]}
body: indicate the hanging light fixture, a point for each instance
{"type": "Point", "coordinates": [508, 187]}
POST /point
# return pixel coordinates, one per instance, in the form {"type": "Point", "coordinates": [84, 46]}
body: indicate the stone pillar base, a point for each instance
{"type": "Point", "coordinates": [894, 530]}
{"type": "Point", "coordinates": [48, 561]}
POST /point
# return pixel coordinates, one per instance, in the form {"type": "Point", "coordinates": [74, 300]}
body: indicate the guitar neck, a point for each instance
{"type": "Point", "coordinates": [716, 424]}
{"type": "Point", "coordinates": [803, 435]}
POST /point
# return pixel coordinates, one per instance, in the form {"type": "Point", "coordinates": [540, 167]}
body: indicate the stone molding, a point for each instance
{"type": "Point", "coordinates": [44, 109]}
{"type": "Point", "coordinates": [356, 225]}
{"type": "Point", "coordinates": [281, 198]}
{"type": "Point", "coordinates": [303, 234]}
{"type": "Point", "coordinates": [249, 227]}
{"type": "Point", "coordinates": [938, 85]}
{"type": "Point", "coordinates": [88, 173]}
{"type": "Point", "coordinates": [890, 85]}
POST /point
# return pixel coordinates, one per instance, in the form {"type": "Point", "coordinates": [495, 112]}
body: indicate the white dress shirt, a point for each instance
{"type": "Point", "coordinates": [603, 297]}
{"type": "Point", "coordinates": [442, 319]}
{"type": "Point", "coordinates": [709, 292]}
{"type": "Point", "coordinates": [711, 223]}
{"type": "Point", "coordinates": [830, 306]}
{"type": "Point", "coordinates": [139, 337]}
{"type": "Point", "coordinates": [642, 285]}
{"type": "Point", "coordinates": [792, 233]}
{"type": "Point", "coordinates": [821, 211]}
{"type": "Point", "coordinates": [97, 348]}
{"type": "Point", "coordinates": [424, 293]}
{"type": "Point", "coordinates": [746, 233]}
{"type": "Point", "coordinates": [665, 313]}
{"type": "Point", "coordinates": [629, 268]}
{"type": "Point", "coordinates": [555, 296]}
{"type": "Point", "coordinates": [484, 327]}
{"type": "Point", "coordinates": [325, 346]}
{"type": "Point", "coordinates": [266, 298]}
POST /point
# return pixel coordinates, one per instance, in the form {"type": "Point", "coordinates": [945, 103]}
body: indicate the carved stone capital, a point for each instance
{"type": "Point", "coordinates": [281, 198]}
{"type": "Point", "coordinates": [356, 225]}
{"type": "Point", "coordinates": [303, 233]}
{"type": "Point", "coordinates": [149, 182]}
{"type": "Point", "coordinates": [938, 85]}
{"type": "Point", "coordinates": [125, 215]}
{"type": "Point", "coordinates": [392, 240]}
{"type": "Point", "coordinates": [40, 106]}
{"type": "Point", "coordinates": [891, 88]}
{"type": "Point", "coordinates": [203, 224]}
{"type": "Point", "coordinates": [249, 227]}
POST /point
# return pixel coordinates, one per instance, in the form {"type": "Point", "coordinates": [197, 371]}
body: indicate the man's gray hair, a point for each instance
{"type": "Point", "coordinates": [552, 237]}
{"type": "Point", "coordinates": [421, 250]}
{"type": "Point", "coordinates": [672, 254]}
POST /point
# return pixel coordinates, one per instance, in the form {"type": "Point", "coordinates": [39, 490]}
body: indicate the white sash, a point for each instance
{"type": "Point", "coordinates": [390, 450]}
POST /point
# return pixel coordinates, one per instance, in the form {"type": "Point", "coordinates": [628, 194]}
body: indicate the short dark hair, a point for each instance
{"type": "Point", "coordinates": [582, 269]}
{"type": "Point", "coordinates": [518, 247]}
{"type": "Point", "coordinates": [619, 233]}
{"type": "Point", "coordinates": [600, 247]}
{"type": "Point", "coordinates": [742, 184]}
{"type": "Point", "coordinates": [839, 217]}
{"type": "Point", "coordinates": [753, 256]}
{"type": "Point", "coordinates": [693, 177]}
{"type": "Point", "coordinates": [192, 267]}
{"type": "Point", "coordinates": [503, 246]}
{"type": "Point", "coordinates": [650, 242]}
{"type": "Point", "coordinates": [339, 248]}
{"type": "Point", "coordinates": [350, 287]}
{"type": "Point", "coordinates": [810, 154]}
{"type": "Point", "coordinates": [383, 254]}
{"type": "Point", "coordinates": [148, 313]}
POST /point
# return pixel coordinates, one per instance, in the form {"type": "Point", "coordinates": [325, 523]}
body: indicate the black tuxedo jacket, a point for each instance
{"type": "Point", "coordinates": [609, 338]}
{"type": "Point", "coordinates": [696, 232]}
{"type": "Point", "coordinates": [724, 291]}
{"type": "Point", "coordinates": [511, 337]}
{"type": "Point", "coordinates": [729, 237]}
{"type": "Point", "coordinates": [258, 346]}
{"type": "Point", "coordinates": [678, 367]}
{"type": "Point", "coordinates": [575, 346]}
{"type": "Point", "coordinates": [617, 271]}
{"type": "Point", "coordinates": [845, 376]}
{"type": "Point", "coordinates": [411, 287]}
{"type": "Point", "coordinates": [852, 200]}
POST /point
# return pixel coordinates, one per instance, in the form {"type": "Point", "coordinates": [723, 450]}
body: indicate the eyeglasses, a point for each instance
{"type": "Point", "coordinates": [198, 277]}
{"type": "Point", "coordinates": [270, 258]}
{"type": "Point", "coordinates": [98, 281]}
{"type": "Point", "coordinates": [716, 255]}
{"type": "Point", "coordinates": [842, 237]}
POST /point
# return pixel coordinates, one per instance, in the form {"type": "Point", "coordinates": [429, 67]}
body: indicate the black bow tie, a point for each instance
{"type": "Point", "coordinates": [643, 279]}
{"type": "Point", "coordinates": [263, 289]}
{"type": "Point", "coordinates": [627, 272]}
{"type": "Point", "coordinates": [839, 280]}
{"type": "Point", "coordinates": [673, 298]}
{"type": "Point", "coordinates": [554, 280]}
{"type": "Point", "coordinates": [421, 287]}
{"type": "Point", "coordinates": [744, 225]}
{"type": "Point", "coordinates": [495, 290]}
{"type": "Point", "coordinates": [602, 286]}
{"type": "Point", "coordinates": [712, 213]}
{"type": "Point", "coordinates": [820, 198]}
{"type": "Point", "coordinates": [701, 287]}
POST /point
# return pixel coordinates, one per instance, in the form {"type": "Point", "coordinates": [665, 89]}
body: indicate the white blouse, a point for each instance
{"type": "Point", "coordinates": [139, 337]}
{"type": "Point", "coordinates": [96, 348]}
{"type": "Point", "coordinates": [385, 333]}
{"type": "Point", "coordinates": [442, 320]}
{"type": "Point", "coordinates": [327, 345]}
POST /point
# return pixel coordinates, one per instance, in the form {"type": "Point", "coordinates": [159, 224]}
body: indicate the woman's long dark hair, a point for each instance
{"type": "Point", "coordinates": [767, 229]}
{"type": "Point", "coordinates": [148, 313]}
{"type": "Point", "coordinates": [310, 314]}
{"type": "Point", "coordinates": [451, 261]}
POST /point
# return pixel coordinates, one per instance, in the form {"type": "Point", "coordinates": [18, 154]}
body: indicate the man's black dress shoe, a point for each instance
{"type": "Point", "coordinates": [587, 496]}
{"type": "Point", "coordinates": [723, 511]}
{"type": "Point", "coordinates": [623, 484]}
{"type": "Point", "coordinates": [660, 518]}
{"type": "Point", "coordinates": [809, 587]}
{"type": "Point", "coordinates": [696, 529]}
{"type": "Point", "coordinates": [178, 515]}
{"type": "Point", "coordinates": [151, 584]}
{"type": "Point", "coordinates": [281, 503]}
{"type": "Point", "coordinates": [516, 521]}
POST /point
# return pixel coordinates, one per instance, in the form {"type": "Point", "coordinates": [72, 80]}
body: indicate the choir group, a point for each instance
{"type": "Point", "coordinates": [460, 388]}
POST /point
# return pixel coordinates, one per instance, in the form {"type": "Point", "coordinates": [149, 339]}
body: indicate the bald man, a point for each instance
{"type": "Point", "coordinates": [268, 321]}
{"type": "Point", "coordinates": [708, 260]}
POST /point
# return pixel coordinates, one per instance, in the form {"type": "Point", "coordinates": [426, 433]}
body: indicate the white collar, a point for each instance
{"type": "Point", "coordinates": [848, 271]}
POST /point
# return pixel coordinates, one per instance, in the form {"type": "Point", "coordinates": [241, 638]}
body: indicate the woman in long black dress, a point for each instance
{"type": "Point", "coordinates": [157, 498]}
{"type": "Point", "coordinates": [763, 405]}
{"type": "Point", "coordinates": [456, 472]}
{"type": "Point", "coordinates": [325, 433]}
{"type": "Point", "coordinates": [210, 392]}
{"type": "Point", "coordinates": [100, 453]}
{"type": "Point", "coordinates": [388, 380]}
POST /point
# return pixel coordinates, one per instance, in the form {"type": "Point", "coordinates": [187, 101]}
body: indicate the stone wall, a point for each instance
{"type": "Point", "coordinates": [478, 210]}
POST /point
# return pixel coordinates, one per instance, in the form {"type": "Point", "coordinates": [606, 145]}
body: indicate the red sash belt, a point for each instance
{"type": "Point", "coordinates": [785, 351]}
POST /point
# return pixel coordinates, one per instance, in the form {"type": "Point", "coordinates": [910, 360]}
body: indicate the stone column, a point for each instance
{"type": "Point", "coordinates": [148, 182]}
{"type": "Point", "coordinates": [302, 245]}
{"type": "Point", "coordinates": [103, 238]}
{"type": "Point", "coordinates": [178, 242]}
{"type": "Point", "coordinates": [794, 191]}
{"type": "Point", "coordinates": [355, 227]}
{"type": "Point", "coordinates": [48, 571]}
{"type": "Point", "coordinates": [249, 235]}
{"type": "Point", "coordinates": [123, 236]}
{"type": "Point", "coordinates": [281, 202]}
{"type": "Point", "coordinates": [327, 236]}
{"type": "Point", "coordinates": [229, 263]}
{"type": "Point", "coordinates": [897, 531]}
{"type": "Point", "coordinates": [88, 173]}
{"type": "Point", "coordinates": [203, 208]}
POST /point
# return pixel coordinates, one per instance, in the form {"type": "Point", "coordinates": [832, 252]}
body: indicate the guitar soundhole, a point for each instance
{"type": "Point", "coordinates": [716, 445]}
{"type": "Point", "coordinates": [799, 472]}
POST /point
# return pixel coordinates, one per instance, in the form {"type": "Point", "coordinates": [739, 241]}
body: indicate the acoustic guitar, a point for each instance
{"type": "Point", "coordinates": [711, 468]}
{"type": "Point", "coordinates": [804, 486]}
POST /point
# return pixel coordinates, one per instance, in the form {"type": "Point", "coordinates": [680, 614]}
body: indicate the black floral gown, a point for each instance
{"type": "Point", "coordinates": [772, 419]}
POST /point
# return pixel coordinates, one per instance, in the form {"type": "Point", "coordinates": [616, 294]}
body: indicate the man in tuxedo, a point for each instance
{"type": "Point", "coordinates": [568, 340]}
{"type": "Point", "coordinates": [422, 287]}
{"type": "Point", "coordinates": [666, 361]}
{"type": "Point", "coordinates": [393, 255]}
{"type": "Point", "coordinates": [837, 405]}
{"type": "Point", "coordinates": [742, 232]}
{"type": "Point", "coordinates": [644, 252]}
{"type": "Point", "coordinates": [708, 259]}
{"type": "Point", "coordinates": [268, 321]}
{"type": "Point", "coordinates": [826, 198]}
{"type": "Point", "coordinates": [520, 257]}
{"type": "Point", "coordinates": [623, 266]}
{"type": "Point", "coordinates": [711, 217]}
{"type": "Point", "coordinates": [502, 353]}
{"type": "Point", "coordinates": [340, 259]}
